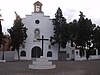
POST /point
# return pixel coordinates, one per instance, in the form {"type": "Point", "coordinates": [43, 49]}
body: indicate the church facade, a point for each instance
{"type": "Point", "coordinates": [40, 29]}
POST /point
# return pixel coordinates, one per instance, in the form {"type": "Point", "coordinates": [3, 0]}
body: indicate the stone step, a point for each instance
{"type": "Point", "coordinates": [41, 59]}
{"type": "Point", "coordinates": [2, 60]}
{"type": "Point", "coordinates": [41, 67]}
{"type": "Point", "coordinates": [42, 63]}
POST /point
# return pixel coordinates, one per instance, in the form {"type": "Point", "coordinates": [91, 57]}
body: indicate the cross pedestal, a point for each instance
{"type": "Point", "coordinates": [42, 62]}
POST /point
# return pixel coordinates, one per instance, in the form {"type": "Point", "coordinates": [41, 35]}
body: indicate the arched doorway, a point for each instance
{"type": "Point", "coordinates": [36, 52]}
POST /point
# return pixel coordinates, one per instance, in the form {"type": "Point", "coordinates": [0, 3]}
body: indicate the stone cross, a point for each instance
{"type": "Point", "coordinates": [42, 39]}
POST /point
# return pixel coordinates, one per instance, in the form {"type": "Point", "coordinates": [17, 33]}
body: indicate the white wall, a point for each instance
{"type": "Point", "coordinates": [46, 28]}
{"type": "Point", "coordinates": [8, 55]}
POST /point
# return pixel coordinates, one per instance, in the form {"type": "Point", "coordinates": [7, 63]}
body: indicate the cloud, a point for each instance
{"type": "Point", "coordinates": [96, 21]}
{"type": "Point", "coordinates": [69, 14]}
{"type": "Point", "coordinates": [70, 9]}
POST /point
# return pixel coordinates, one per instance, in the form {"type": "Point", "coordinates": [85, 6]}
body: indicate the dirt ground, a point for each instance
{"type": "Point", "coordinates": [91, 67]}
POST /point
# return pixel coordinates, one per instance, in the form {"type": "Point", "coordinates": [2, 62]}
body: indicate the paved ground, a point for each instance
{"type": "Point", "coordinates": [91, 67]}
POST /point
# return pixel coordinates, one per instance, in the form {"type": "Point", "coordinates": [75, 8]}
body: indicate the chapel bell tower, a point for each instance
{"type": "Point", "coordinates": [38, 7]}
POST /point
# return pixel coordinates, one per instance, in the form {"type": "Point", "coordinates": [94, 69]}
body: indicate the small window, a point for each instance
{"type": "Point", "coordinates": [76, 52]}
{"type": "Point", "coordinates": [23, 53]}
{"type": "Point", "coordinates": [49, 46]}
{"type": "Point", "coordinates": [23, 46]}
{"type": "Point", "coordinates": [67, 55]}
{"type": "Point", "coordinates": [37, 21]}
{"type": "Point", "coordinates": [72, 51]}
{"type": "Point", "coordinates": [37, 34]}
{"type": "Point", "coordinates": [49, 54]}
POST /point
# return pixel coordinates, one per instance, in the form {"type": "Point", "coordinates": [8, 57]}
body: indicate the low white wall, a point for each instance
{"type": "Point", "coordinates": [8, 55]}
{"type": "Point", "coordinates": [94, 56]}
{"type": "Point", "coordinates": [77, 56]}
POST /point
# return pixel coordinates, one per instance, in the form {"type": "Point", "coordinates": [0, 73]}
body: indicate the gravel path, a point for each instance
{"type": "Point", "coordinates": [91, 67]}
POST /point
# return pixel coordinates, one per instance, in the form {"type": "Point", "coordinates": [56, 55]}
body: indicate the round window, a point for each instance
{"type": "Point", "coordinates": [37, 21]}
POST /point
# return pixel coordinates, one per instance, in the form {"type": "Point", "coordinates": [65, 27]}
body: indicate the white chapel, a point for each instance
{"type": "Point", "coordinates": [40, 29]}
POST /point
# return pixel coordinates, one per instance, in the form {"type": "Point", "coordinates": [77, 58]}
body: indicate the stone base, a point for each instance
{"type": "Point", "coordinates": [3, 61]}
{"type": "Point", "coordinates": [41, 67]}
{"type": "Point", "coordinates": [42, 63]}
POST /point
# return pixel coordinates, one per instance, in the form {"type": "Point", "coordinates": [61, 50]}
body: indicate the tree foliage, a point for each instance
{"type": "Point", "coordinates": [60, 36]}
{"type": "Point", "coordinates": [73, 31]}
{"type": "Point", "coordinates": [1, 34]}
{"type": "Point", "coordinates": [60, 26]}
{"type": "Point", "coordinates": [18, 33]}
{"type": "Point", "coordinates": [82, 33]}
{"type": "Point", "coordinates": [96, 37]}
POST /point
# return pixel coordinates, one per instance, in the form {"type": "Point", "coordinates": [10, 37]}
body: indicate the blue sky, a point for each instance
{"type": "Point", "coordinates": [70, 9]}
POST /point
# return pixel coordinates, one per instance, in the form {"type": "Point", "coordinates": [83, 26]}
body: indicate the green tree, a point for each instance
{"type": "Point", "coordinates": [18, 33]}
{"type": "Point", "coordinates": [81, 33]}
{"type": "Point", "coordinates": [2, 42]}
{"type": "Point", "coordinates": [73, 31]}
{"type": "Point", "coordinates": [84, 37]}
{"type": "Point", "coordinates": [96, 37]}
{"type": "Point", "coordinates": [60, 26]}
{"type": "Point", "coordinates": [1, 34]}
